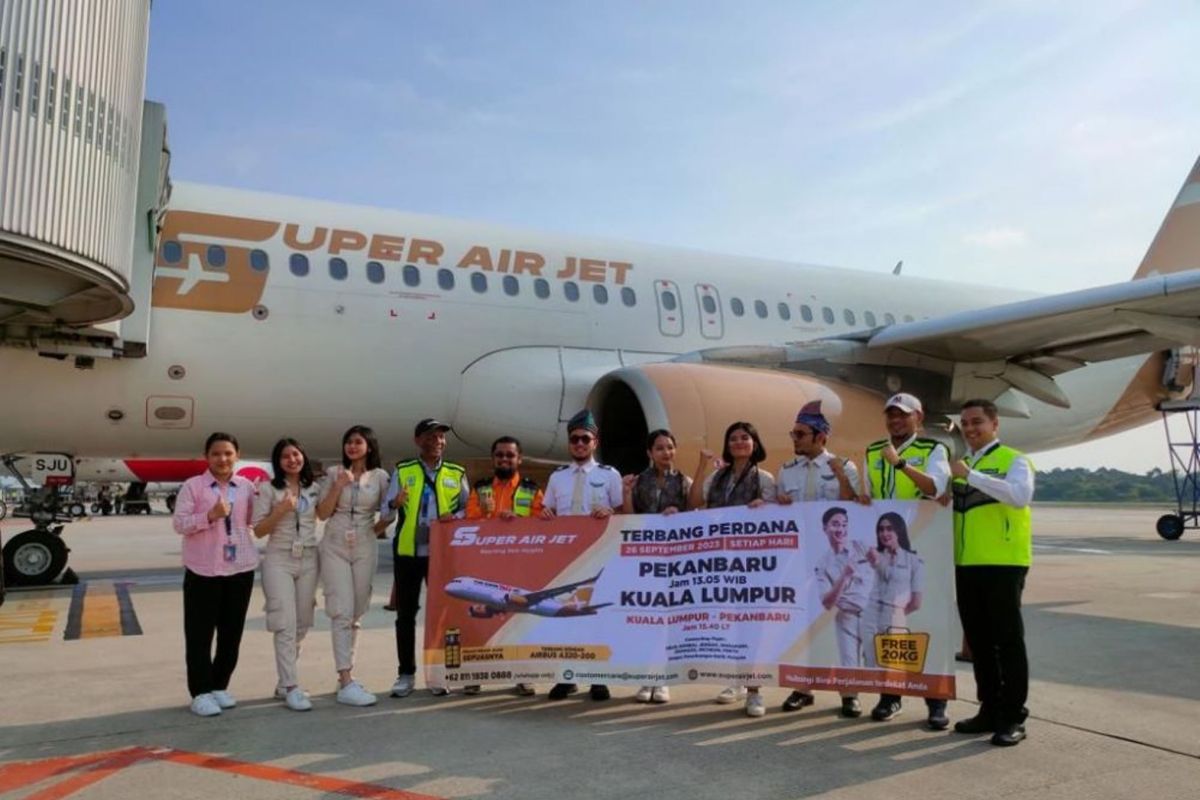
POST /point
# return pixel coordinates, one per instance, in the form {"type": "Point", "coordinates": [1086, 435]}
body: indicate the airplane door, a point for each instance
{"type": "Point", "coordinates": [712, 322]}
{"type": "Point", "coordinates": [670, 310]}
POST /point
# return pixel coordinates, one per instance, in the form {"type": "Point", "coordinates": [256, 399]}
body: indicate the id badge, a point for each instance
{"type": "Point", "coordinates": [230, 551]}
{"type": "Point", "coordinates": [297, 550]}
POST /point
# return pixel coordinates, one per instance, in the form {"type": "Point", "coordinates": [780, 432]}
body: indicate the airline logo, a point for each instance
{"type": "Point", "coordinates": [209, 262]}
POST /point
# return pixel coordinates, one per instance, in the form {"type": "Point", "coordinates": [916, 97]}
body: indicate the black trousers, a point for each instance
{"type": "Point", "coordinates": [989, 604]}
{"type": "Point", "coordinates": [409, 573]}
{"type": "Point", "coordinates": [213, 605]}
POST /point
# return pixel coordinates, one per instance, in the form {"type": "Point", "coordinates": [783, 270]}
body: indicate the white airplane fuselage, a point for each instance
{"type": "Point", "coordinates": [491, 599]}
{"type": "Point", "coordinates": [311, 354]}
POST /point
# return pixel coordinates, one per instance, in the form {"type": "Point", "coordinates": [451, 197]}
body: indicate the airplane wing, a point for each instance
{"type": "Point", "coordinates": [533, 598]}
{"type": "Point", "coordinates": [988, 351]}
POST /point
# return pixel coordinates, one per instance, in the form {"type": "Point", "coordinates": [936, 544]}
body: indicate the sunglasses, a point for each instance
{"type": "Point", "coordinates": [798, 435]}
{"type": "Point", "coordinates": [584, 439]}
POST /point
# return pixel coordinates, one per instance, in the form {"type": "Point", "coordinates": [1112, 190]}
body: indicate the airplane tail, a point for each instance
{"type": "Point", "coordinates": [1176, 246]}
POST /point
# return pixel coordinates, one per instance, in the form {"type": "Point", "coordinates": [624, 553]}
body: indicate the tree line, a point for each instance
{"type": "Point", "coordinates": [1105, 485]}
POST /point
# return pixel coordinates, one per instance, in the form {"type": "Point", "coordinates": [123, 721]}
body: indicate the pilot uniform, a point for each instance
{"type": "Point", "coordinates": [851, 602]}
{"type": "Point", "coordinates": [807, 479]}
{"type": "Point", "coordinates": [576, 489]}
{"type": "Point", "coordinates": [897, 579]}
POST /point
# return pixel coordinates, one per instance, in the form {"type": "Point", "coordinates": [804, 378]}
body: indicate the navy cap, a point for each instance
{"type": "Point", "coordinates": [429, 424]}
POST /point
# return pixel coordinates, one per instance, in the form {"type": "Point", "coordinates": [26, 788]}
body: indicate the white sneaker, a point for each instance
{"type": "Point", "coordinates": [730, 694]}
{"type": "Point", "coordinates": [439, 691]}
{"type": "Point", "coordinates": [205, 705]}
{"type": "Point", "coordinates": [644, 694]}
{"type": "Point", "coordinates": [297, 700]}
{"type": "Point", "coordinates": [353, 694]}
{"type": "Point", "coordinates": [661, 694]}
{"type": "Point", "coordinates": [403, 686]}
{"type": "Point", "coordinates": [224, 699]}
{"type": "Point", "coordinates": [755, 706]}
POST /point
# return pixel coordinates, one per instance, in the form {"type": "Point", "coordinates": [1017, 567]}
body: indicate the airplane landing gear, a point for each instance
{"type": "Point", "coordinates": [35, 557]}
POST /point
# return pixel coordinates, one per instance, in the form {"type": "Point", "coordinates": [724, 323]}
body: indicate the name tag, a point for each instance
{"type": "Point", "coordinates": [449, 483]}
{"type": "Point", "coordinates": [916, 461]}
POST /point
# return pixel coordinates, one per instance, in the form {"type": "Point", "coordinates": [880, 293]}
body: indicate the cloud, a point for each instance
{"type": "Point", "coordinates": [997, 238]}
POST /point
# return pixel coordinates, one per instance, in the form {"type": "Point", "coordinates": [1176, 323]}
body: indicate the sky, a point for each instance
{"type": "Point", "coordinates": [1014, 143]}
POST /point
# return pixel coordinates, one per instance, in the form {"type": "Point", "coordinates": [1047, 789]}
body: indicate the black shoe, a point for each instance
{"type": "Point", "coordinates": [599, 692]}
{"type": "Point", "coordinates": [1009, 735]}
{"type": "Point", "coordinates": [980, 723]}
{"type": "Point", "coordinates": [562, 691]}
{"type": "Point", "coordinates": [937, 719]}
{"type": "Point", "coordinates": [851, 708]}
{"type": "Point", "coordinates": [797, 701]}
{"type": "Point", "coordinates": [963, 657]}
{"type": "Point", "coordinates": [885, 710]}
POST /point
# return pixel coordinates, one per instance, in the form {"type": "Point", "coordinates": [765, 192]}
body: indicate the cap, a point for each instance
{"type": "Point", "coordinates": [583, 420]}
{"type": "Point", "coordinates": [811, 416]}
{"type": "Point", "coordinates": [429, 424]}
{"type": "Point", "coordinates": [905, 402]}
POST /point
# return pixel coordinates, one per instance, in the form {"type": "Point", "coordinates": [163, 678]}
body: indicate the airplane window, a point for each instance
{"type": "Point", "coordinates": [479, 282]}
{"type": "Point", "coordinates": [708, 304]}
{"type": "Point", "coordinates": [869, 316]}
{"type": "Point", "coordinates": [259, 261]}
{"type": "Point", "coordinates": [600, 294]}
{"type": "Point", "coordinates": [172, 253]}
{"type": "Point", "coordinates": [571, 290]}
{"type": "Point", "coordinates": [446, 279]}
{"type": "Point", "coordinates": [760, 308]}
{"type": "Point", "coordinates": [337, 269]}
{"type": "Point", "coordinates": [298, 264]}
{"type": "Point", "coordinates": [668, 301]}
{"type": "Point", "coordinates": [908, 317]}
{"type": "Point", "coordinates": [511, 286]}
{"type": "Point", "coordinates": [541, 287]}
{"type": "Point", "coordinates": [216, 255]}
{"type": "Point", "coordinates": [628, 296]}
{"type": "Point", "coordinates": [784, 312]}
{"type": "Point", "coordinates": [737, 307]}
{"type": "Point", "coordinates": [806, 314]}
{"type": "Point", "coordinates": [848, 315]}
{"type": "Point", "coordinates": [375, 272]}
{"type": "Point", "coordinates": [412, 275]}
{"type": "Point", "coordinates": [889, 318]}
{"type": "Point", "coordinates": [827, 315]}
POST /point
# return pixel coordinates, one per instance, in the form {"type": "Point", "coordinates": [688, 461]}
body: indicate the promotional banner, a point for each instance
{"type": "Point", "coordinates": [835, 596]}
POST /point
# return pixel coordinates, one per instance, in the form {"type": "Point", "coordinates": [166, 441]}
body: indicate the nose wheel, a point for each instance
{"type": "Point", "coordinates": [34, 557]}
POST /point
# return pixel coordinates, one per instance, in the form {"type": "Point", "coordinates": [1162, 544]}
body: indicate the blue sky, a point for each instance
{"type": "Point", "coordinates": [1024, 143]}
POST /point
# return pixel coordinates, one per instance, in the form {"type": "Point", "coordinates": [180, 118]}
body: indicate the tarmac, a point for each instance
{"type": "Point", "coordinates": [1113, 629]}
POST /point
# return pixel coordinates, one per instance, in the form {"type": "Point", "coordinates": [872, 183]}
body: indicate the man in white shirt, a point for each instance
{"type": "Point", "coordinates": [816, 474]}
{"type": "Point", "coordinates": [582, 488]}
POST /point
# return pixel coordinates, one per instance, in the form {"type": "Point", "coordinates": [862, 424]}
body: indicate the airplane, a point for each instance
{"type": "Point", "coordinates": [489, 599]}
{"type": "Point", "coordinates": [307, 316]}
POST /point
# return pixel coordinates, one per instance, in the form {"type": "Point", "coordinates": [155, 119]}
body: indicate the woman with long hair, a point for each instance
{"type": "Point", "coordinates": [735, 481]}
{"type": "Point", "coordinates": [350, 497]}
{"type": "Point", "coordinates": [899, 581]}
{"type": "Point", "coordinates": [285, 513]}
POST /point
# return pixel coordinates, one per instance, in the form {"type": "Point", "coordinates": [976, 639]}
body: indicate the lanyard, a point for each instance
{"type": "Point", "coordinates": [230, 494]}
{"type": "Point", "coordinates": [984, 453]}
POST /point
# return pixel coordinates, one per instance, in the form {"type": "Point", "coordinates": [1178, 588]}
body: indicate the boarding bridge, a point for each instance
{"type": "Point", "coordinates": [83, 178]}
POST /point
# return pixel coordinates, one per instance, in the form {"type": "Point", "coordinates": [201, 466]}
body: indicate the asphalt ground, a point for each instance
{"type": "Point", "coordinates": [1113, 627]}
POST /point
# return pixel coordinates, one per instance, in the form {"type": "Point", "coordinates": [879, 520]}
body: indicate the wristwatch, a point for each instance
{"type": "Point", "coordinates": [902, 463]}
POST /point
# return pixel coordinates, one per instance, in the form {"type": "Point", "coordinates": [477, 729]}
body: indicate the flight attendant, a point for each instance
{"type": "Point", "coordinates": [906, 466]}
{"type": "Point", "coordinates": [212, 513]}
{"type": "Point", "coordinates": [350, 496]}
{"type": "Point", "coordinates": [736, 481]}
{"type": "Point", "coordinates": [658, 489]}
{"type": "Point", "coordinates": [899, 581]}
{"type": "Point", "coordinates": [285, 513]}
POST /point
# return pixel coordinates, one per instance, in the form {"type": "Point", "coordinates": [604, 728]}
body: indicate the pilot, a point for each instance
{"type": "Point", "coordinates": [582, 487]}
{"type": "Point", "coordinates": [906, 466]}
{"type": "Point", "coordinates": [285, 512]}
{"type": "Point", "coordinates": [993, 548]}
{"type": "Point", "coordinates": [350, 494]}
{"type": "Point", "coordinates": [658, 489]}
{"type": "Point", "coordinates": [506, 495]}
{"type": "Point", "coordinates": [423, 490]}
{"type": "Point", "coordinates": [212, 514]}
{"type": "Point", "coordinates": [816, 474]}
{"type": "Point", "coordinates": [735, 481]}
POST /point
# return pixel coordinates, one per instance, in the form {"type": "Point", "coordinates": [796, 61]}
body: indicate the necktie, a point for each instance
{"type": "Point", "coordinates": [577, 493]}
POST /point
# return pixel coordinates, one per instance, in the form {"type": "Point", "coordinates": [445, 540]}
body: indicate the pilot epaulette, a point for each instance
{"type": "Point", "coordinates": [606, 466]}
{"type": "Point", "coordinates": [560, 469]}
{"type": "Point", "coordinates": [791, 463]}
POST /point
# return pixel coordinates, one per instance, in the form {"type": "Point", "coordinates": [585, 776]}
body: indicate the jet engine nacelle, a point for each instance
{"type": "Point", "coordinates": [697, 402]}
{"type": "Point", "coordinates": [480, 611]}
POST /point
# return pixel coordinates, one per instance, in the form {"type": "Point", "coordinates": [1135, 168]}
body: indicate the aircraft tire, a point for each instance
{"type": "Point", "coordinates": [171, 503]}
{"type": "Point", "coordinates": [1169, 526]}
{"type": "Point", "coordinates": [76, 509]}
{"type": "Point", "coordinates": [3, 509]}
{"type": "Point", "coordinates": [33, 558]}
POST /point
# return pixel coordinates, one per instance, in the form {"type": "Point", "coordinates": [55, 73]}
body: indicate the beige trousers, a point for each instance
{"type": "Point", "coordinates": [346, 575]}
{"type": "Point", "coordinates": [290, 585]}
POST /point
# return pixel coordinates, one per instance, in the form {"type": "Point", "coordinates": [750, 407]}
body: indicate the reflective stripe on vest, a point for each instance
{"type": "Point", "coordinates": [986, 531]}
{"type": "Point", "coordinates": [889, 483]}
{"type": "Point", "coordinates": [447, 490]}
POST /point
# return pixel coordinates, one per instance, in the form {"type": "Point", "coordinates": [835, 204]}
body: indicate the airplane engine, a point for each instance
{"type": "Point", "coordinates": [697, 402]}
{"type": "Point", "coordinates": [480, 611]}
